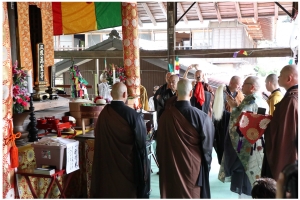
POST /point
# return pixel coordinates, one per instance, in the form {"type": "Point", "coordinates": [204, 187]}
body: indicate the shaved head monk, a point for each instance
{"type": "Point", "coordinates": [184, 147]}
{"type": "Point", "coordinates": [276, 95]}
{"type": "Point", "coordinates": [120, 166]}
{"type": "Point", "coordinates": [203, 94]}
{"type": "Point", "coordinates": [283, 128]}
{"type": "Point", "coordinates": [227, 97]}
{"type": "Point", "coordinates": [161, 90]}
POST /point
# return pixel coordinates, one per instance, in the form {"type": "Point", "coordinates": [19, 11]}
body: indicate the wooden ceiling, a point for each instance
{"type": "Point", "coordinates": [259, 17]}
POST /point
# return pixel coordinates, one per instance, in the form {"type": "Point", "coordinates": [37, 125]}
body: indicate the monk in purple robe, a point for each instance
{"type": "Point", "coordinates": [282, 130]}
{"type": "Point", "coordinates": [184, 147]}
{"type": "Point", "coordinates": [120, 166]}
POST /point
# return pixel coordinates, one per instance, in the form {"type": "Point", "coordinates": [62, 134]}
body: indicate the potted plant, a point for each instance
{"type": "Point", "coordinates": [21, 97]}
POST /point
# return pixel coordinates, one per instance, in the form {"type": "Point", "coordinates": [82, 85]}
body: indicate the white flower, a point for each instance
{"type": "Point", "coordinates": [128, 62]}
{"type": "Point", "coordinates": [264, 123]}
{"type": "Point", "coordinates": [244, 121]}
{"type": "Point", "coordinates": [136, 62]}
{"type": "Point", "coordinates": [133, 22]}
{"type": "Point", "coordinates": [136, 42]}
{"type": "Point", "coordinates": [125, 22]}
{"type": "Point", "coordinates": [126, 42]}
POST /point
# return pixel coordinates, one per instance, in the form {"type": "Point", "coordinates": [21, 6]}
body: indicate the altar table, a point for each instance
{"type": "Point", "coordinates": [53, 178]}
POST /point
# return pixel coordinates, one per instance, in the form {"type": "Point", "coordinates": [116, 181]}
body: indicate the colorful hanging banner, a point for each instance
{"type": "Point", "coordinates": [177, 66]}
{"type": "Point", "coordinates": [78, 17]}
{"type": "Point", "coordinates": [171, 68]}
{"type": "Point", "coordinates": [240, 52]}
{"type": "Point", "coordinates": [235, 54]}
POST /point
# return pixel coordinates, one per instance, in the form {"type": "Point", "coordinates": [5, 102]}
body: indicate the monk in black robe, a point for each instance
{"type": "Point", "coordinates": [167, 94]}
{"type": "Point", "coordinates": [120, 166]}
{"type": "Point", "coordinates": [184, 148]}
{"type": "Point", "coordinates": [161, 90]}
{"type": "Point", "coordinates": [282, 130]}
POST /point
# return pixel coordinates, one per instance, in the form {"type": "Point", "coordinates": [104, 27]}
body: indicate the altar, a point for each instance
{"type": "Point", "coordinates": [79, 184]}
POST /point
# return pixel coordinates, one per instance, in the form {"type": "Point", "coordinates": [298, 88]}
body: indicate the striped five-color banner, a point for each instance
{"type": "Point", "coordinates": [79, 17]}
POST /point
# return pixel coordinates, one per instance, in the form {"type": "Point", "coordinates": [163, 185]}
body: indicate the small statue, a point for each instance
{"type": "Point", "coordinates": [104, 88]}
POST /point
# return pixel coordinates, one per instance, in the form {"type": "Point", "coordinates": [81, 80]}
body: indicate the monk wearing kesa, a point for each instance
{"type": "Point", "coordinates": [184, 147]}
{"type": "Point", "coordinates": [120, 166]}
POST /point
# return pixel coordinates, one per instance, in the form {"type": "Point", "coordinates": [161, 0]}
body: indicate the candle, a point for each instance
{"type": "Point", "coordinates": [105, 66]}
{"type": "Point", "coordinates": [29, 82]}
{"type": "Point", "coordinates": [114, 73]}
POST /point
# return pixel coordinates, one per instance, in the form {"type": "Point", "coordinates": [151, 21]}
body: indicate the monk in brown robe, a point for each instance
{"type": "Point", "coordinates": [120, 166]}
{"type": "Point", "coordinates": [184, 148]}
{"type": "Point", "coordinates": [282, 130]}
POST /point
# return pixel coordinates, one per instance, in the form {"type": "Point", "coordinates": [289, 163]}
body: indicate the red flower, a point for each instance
{"type": "Point", "coordinates": [20, 93]}
{"type": "Point", "coordinates": [19, 100]}
{"type": "Point", "coordinates": [24, 103]}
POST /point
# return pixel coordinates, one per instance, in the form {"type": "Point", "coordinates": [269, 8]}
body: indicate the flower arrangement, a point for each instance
{"type": "Point", "coordinates": [119, 73]}
{"type": "Point", "coordinates": [21, 96]}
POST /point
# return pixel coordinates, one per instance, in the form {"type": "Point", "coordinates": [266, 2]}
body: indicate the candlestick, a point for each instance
{"type": "Point", "coordinates": [33, 131]}
{"type": "Point", "coordinates": [29, 82]}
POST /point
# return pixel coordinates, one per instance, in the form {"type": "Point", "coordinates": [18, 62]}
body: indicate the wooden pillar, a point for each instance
{"type": "Point", "coordinates": [11, 9]}
{"type": "Point", "coordinates": [131, 54]}
{"type": "Point", "coordinates": [171, 13]}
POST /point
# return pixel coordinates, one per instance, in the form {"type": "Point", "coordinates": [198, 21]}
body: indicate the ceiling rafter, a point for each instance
{"type": "Point", "coordinates": [238, 10]}
{"type": "Point", "coordinates": [218, 12]}
{"type": "Point", "coordinates": [146, 8]}
{"type": "Point", "coordinates": [163, 9]}
{"type": "Point", "coordinates": [199, 13]}
{"type": "Point", "coordinates": [276, 12]}
{"type": "Point", "coordinates": [255, 11]}
{"type": "Point", "coordinates": [140, 22]}
{"type": "Point", "coordinates": [182, 12]}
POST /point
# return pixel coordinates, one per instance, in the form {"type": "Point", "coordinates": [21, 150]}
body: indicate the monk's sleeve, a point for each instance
{"type": "Point", "coordinates": [207, 136]}
{"type": "Point", "coordinates": [142, 170]}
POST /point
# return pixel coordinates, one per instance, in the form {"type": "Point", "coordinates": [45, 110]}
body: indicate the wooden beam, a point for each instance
{"type": "Point", "coordinates": [163, 8]}
{"type": "Point", "coordinates": [199, 13]}
{"type": "Point", "coordinates": [238, 10]}
{"type": "Point", "coordinates": [218, 12]}
{"type": "Point", "coordinates": [140, 22]}
{"type": "Point", "coordinates": [68, 86]}
{"type": "Point", "coordinates": [255, 11]}
{"type": "Point", "coordinates": [146, 8]}
{"type": "Point", "coordinates": [171, 37]}
{"type": "Point", "coordinates": [182, 12]}
{"type": "Point", "coordinates": [194, 53]}
{"type": "Point", "coordinates": [228, 53]}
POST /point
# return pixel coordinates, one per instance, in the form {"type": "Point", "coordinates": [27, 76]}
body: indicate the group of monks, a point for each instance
{"type": "Point", "coordinates": [191, 123]}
